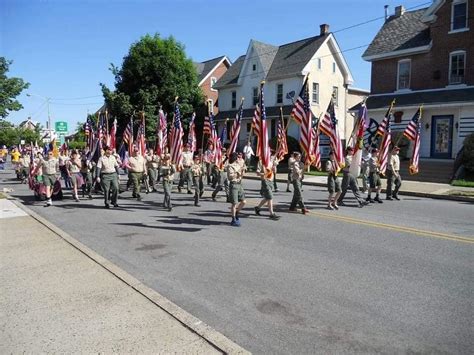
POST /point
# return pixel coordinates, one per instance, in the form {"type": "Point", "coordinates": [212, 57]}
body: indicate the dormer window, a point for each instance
{"type": "Point", "coordinates": [254, 67]}
{"type": "Point", "coordinates": [213, 82]}
{"type": "Point", "coordinates": [404, 71]}
{"type": "Point", "coordinates": [459, 15]}
{"type": "Point", "coordinates": [457, 67]}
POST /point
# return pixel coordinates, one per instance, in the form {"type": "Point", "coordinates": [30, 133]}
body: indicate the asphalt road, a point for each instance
{"type": "Point", "coordinates": [389, 278]}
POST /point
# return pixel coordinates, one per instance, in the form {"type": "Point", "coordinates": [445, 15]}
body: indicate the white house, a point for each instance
{"type": "Point", "coordinates": [284, 68]}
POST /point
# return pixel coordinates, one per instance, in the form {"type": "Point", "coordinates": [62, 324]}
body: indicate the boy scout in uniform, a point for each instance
{"type": "Point", "coordinates": [297, 173]}
{"type": "Point", "coordinates": [266, 176]}
{"type": "Point", "coordinates": [235, 173]}
{"type": "Point", "coordinates": [24, 166]}
{"type": "Point", "coordinates": [107, 176]}
{"type": "Point", "coordinates": [185, 174]}
{"type": "Point", "coordinates": [334, 184]}
{"type": "Point", "coordinates": [73, 167]}
{"type": "Point", "coordinates": [86, 168]}
{"type": "Point", "coordinates": [197, 172]}
{"type": "Point", "coordinates": [152, 164]}
{"type": "Point", "coordinates": [393, 175]}
{"type": "Point", "coordinates": [291, 161]}
{"type": "Point", "coordinates": [349, 180]}
{"type": "Point", "coordinates": [374, 178]}
{"type": "Point", "coordinates": [167, 171]}
{"type": "Point", "coordinates": [209, 159]}
{"type": "Point", "coordinates": [136, 166]}
{"type": "Point", "coordinates": [50, 168]}
{"type": "Point", "coordinates": [221, 175]}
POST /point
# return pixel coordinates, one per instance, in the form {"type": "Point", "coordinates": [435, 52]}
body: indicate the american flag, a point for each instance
{"type": "Point", "coordinates": [358, 138]}
{"type": "Point", "coordinates": [329, 127]}
{"type": "Point", "coordinates": [263, 149]}
{"type": "Point", "coordinates": [412, 129]}
{"type": "Point", "coordinates": [385, 146]}
{"type": "Point", "coordinates": [255, 119]}
{"type": "Point", "coordinates": [112, 136]}
{"type": "Point", "coordinates": [299, 111]}
{"type": "Point", "coordinates": [282, 145]}
{"type": "Point", "coordinates": [101, 134]}
{"type": "Point", "coordinates": [161, 133]}
{"type": "Point", "coordinates": [303, 115]}
{"type": "Point", "coordinates": [192, 134]}
{"type": "Point", "coordinates": [89, 132]}
{"type": "Point", "coordinates": [128, 135]}
{"type": "Point", "coordinates": [219, 144]}
{"type": "Point", "coordinates": [383, 125]}
{"type": "Point", "coordinates": [141, 141]}
{"type": "Point", "coordinates": [235, 130]}
{"type": "Point", "coordinates": [316, 151]}
{"type": "Point", "coordinates": [176, 137]}
{"type": "Point", "coordinates": [412, 132]}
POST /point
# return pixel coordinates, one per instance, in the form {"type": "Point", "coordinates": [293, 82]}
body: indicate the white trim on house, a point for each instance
{"type": "Point", "coordinates": [466, 28]}
{"type": "Point", "coordinates": [394, 54]}
{"type": "Point", "coordinates": [432, 105]}
{"type": "Point", "coordinates": [215, 67]}
{"type": "Point", "coordinates": [457, 87]}
{"type": "Point", "coordinates": [402, 61]}
{"type": "Point", "coordinates": [451, 54]}
{"type": "Point", "coordinates": [429, 15]}
{"type": "Point", "coordinates": [337, 53]}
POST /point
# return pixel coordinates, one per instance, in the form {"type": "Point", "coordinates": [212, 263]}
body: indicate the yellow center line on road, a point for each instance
{"type": "Point", "coordinates": [421, 232]}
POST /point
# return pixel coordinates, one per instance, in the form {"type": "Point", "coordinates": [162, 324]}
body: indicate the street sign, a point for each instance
{"type": "Point", "coordinates": [60, 126]}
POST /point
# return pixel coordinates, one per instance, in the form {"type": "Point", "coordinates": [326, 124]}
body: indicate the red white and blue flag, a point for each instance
{"type": "Point", "coordinates": [128, 135]}
{"type": "Point", "coordinates": [161, 133]}
{"type": "Point", "coordinates": [112, 136]}
{"type": "Point", "coordinates": [141, 140]}
{"type": "Point", "coordinates": [282, 144]}
{"type": "Point", "coordinates": [329, 127]}
{"type": "Point", "coordinates": [358, 138]}
{"type": "Point", "coordinates": [413, 133]}
{"type": "Point", "coordinates": [176, 137]}
{"type": "Point", "coordinates": [263, 149]}
{"type": "Point", "coordinates": [192, 134]}
{"type": "Point", "coordinates": [235, 130]}
{"type": "Point", "coordinates": [303, 115]}
{"type": "Point", "coordinates": [385, 130]}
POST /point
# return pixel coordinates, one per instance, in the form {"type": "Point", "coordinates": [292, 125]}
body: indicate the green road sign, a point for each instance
{"type": "Point", "coordinates": [60, 126]}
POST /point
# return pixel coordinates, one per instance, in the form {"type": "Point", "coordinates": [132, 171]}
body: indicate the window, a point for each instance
{"type": "Point", "coordinates": [315, 96]}
{"type": "Point", "coordinates": [211, 105]}
{"type": "Point", "coordinates": [333, 67]}
{"type": "Point", "coordinates": [404, 68]}
{"type": "Point", "coordinates": [335, 95]}
{"type": "Point", "coordinates": [234, 99]}
{"type": "Point", "coordinates": [255, 96]}
{"type": "Point", "coordinates": [213, 82]}
{"type": "Point", "coordinates": [279, 93]}
{"type": "Point", "coordinates": [459, 15]}
{"type": "Point", "coordinates": [254, 67]}
{"type": "Point", "coordinates": [457, 63]}
{"type": "Point", "coordinates": [319, 63]}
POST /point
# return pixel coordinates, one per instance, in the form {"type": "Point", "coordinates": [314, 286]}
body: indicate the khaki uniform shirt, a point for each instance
{"type": "Point", "coordinates": [50, 166]}
{"type": "Point", "coordinates": [137, 164]}
{"type": "Point", "coordinates": [347, 163]}
{"type": "Point", "coordinates": [152, 161]}
{"type": "Point", "coordinates": [74, 166]}
{"type": "Point", "coordinates": [196, 169]}
{"type": "Point", "coordinates": [106, 164]}
{"type": "Point", "coordinates": [167, 172]}
{"type": "Point", "coordinates": [291, 161]}
{"type": "Point", "coordinates": [25, 161]}
{"type": "Point", "coordinates": [234, 172]}
{"type": "Point", "coordinates": [394, 163]}
{"type": "Point", "coordinates": [297, 171]}
{"type": "Point", "coordinates": [374, 164]}
{"type": "Point", "coordinates": [331, 167]}
{"type": "Point", "coordinates": [187, 159]}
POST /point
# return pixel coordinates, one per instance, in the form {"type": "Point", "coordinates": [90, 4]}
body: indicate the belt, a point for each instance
{"type": "Point", "coordinates": [108, 173]}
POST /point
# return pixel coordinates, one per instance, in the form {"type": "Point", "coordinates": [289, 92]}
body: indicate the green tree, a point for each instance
{"type": "Point", "coordinates": [10, 88]}
{"type": "Point", "coordinates": [11, 135]}
{"type": "Point", "coordinates": [154, 72]}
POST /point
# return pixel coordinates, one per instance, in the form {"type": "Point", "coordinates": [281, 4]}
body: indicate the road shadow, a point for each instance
{"type": "Point", "coordinates": [186, 220]}
{"type": "Point", "coordinates": [169, 228]}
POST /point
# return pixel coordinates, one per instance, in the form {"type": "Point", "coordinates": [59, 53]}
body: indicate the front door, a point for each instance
{"type": "Point", "coordinates": [442, 137]}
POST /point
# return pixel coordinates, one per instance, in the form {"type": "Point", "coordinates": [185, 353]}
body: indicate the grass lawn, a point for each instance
{"type": "Point", "coordinates": [2, 195]}
{"type": "Point", "coordinates": [316, 173]}
{"type": "Point", "coordinates": [461, 193]}
{"type": "Point", "coordinates": [463, 183]}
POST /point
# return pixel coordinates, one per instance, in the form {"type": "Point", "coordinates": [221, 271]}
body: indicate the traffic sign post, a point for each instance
{"type": "Point", "coordinates": [60, 126]}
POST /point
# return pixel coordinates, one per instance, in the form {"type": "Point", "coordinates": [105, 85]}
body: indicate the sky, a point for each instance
{"type": "Point", "coordinates": [64, 48]}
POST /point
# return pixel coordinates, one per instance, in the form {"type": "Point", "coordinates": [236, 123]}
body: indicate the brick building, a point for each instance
{"type": "Point", "coordinates": [426, 57]}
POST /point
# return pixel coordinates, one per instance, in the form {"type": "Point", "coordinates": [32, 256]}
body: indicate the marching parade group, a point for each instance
{"type": "Point", "coordinates": [82, 175]}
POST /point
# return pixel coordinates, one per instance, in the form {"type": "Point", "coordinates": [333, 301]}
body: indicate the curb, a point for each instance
{"type": "Point", "coordinates": [405, 193]}
{"type": "Point", "coordinates": [193, 324]}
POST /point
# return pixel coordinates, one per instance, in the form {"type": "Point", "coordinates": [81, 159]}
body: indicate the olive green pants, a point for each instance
{"type": "Point", "coordinates": [109, 183]}
{"type": "Point", "coordinates": [297, 196]}
{"type": "Point", "coordinates": [136, 179]}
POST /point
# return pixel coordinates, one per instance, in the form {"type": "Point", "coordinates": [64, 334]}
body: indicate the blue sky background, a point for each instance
{"type": "Point", "coordinates": [64, 48]}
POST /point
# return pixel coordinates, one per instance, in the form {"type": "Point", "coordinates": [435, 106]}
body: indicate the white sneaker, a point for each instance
{"type": "Point", "coordinates": [48, 203]}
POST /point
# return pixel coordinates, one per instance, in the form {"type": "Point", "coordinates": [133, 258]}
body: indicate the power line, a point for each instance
{"type": "Point", "coordinates": [76, 98]}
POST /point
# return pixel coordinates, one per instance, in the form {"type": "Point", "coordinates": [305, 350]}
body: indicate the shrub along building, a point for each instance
{"type": "Point", "coordinates": [426, 57]}
{"type": "Point", "coordinates": [284, 68]}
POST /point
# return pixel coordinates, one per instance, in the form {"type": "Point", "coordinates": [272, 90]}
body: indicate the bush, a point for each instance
{"type": "Point", "coordinates": [468, 154]}
{"type": "Point", "coordinates": [77, 145]}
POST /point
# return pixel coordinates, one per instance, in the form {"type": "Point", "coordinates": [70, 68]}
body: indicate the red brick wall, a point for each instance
{"type": "Point", "coordinates": [206, 85]}
{"type": "Point", "coordinates": [424, 66]}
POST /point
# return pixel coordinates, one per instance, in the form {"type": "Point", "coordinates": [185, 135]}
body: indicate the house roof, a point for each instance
{"type": "Point", "coordinates": [400, 33]}
{"type": "Point", "coordinates": [231, 76]}
{"type": "Point", "coordinates": [291, 58]}
{"type": "Point", "coordinates": [278, 61]}
{"type": "Point", "coordinates": [203, 69]}
{"type": "Point", "coordinates": [271, 111]}
{"type": "Point", "coordinates": [427, 98]}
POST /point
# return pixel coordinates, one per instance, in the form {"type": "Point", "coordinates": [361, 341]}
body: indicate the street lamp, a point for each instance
{"type": "Point", "coordinates": [47, 99]}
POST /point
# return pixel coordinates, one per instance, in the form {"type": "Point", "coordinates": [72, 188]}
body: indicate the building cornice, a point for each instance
{"type": "Point", "coordinates": [400, 53]}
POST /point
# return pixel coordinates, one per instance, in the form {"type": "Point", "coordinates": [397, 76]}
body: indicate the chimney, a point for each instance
{"type": "Point", "coordinates": [386, 12]}
{"type": "Point", "coordinates": [324, 29]}
{"type": "Point", "coordinates": [399, 11]}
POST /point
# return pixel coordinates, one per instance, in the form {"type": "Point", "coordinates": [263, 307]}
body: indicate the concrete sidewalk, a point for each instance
{"type": "Point", "coordinates": [58, 296]}
{"type": "Point", "coordinates": [409, 188]}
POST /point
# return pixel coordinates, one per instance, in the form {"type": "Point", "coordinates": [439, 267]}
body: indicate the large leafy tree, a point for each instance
{"type": "Point", "coordinates": [10, 88]}
{"type": "Point", "coordinates": [154, 72]}
{"type": "Point", "coordinates": [11, 135]}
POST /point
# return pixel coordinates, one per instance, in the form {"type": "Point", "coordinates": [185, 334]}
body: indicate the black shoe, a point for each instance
{"type": "Point", "coordinates": [274, 217]}
{"type": "Point", "coordinates": [90, 197]}
{"type": "Point", "coordinates": [378, 199]}
{"type": "Point", "coordinates": [396, 197]}
{"type": "Point", "coordinates": [179, 189]}
{"type": "Point", "coordinates": [190, 192]}
{"type": "Point", "coordinates": [276, 190]}
{"type": "Point", "coordinates": [170, 209]}
{"type": "Point", "coordinates": [389, 199]}
{"type": "Point", "coordinates": [257, 210]}
{"type": "Point", "coordinates": [292, 209]}
{"type": "Point", "coordinates": [201, 193]}
{"type": "Point", "coordinates": [134, 195]}
{"type": "Point", "coordinates": [197, 205]}
{"type": "Point", "coordinates": [139, 198]}
{"type": "Point", "coordinates": [107, 206]}
{"type": "Point", "coordinates": [369, 199]}
{"type": "Point", "coordinates": [288, 190]}
{"type": "Point", "coordinates": [116, 205]}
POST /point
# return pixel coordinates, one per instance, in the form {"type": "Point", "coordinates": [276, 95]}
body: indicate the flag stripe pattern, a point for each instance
{"type": "Point", "coordinates": [255, 120]}
{"type": "Point", "coordinates": [299, 111]}
{"type": "Point", "coordinates": [329, 127]}
{"type": "Point", "coordinates": [412, 129]}
{"type": "Point", "coordinates": [282, 142]}
{"type": "Point", "coordinates": [192, 134]}
{"type": "Point", "coordinates": [412, 132]}
{"type": "Point", "coordinates": [386, 141]}
{"type": "Point", "coordinates": [141, 141]}
{"type": "Point", "coordinates": [112, 136]}
{"type": "Point", "coordinates": [176, 138]}
{"type": "Point", "coordinates": [235, 130]}
{"type": "Point", "coordinates": [303, 115]}
{"type": "Point", "coordinates": [263, 149]}
{"type": "Point", "coordinates": [316, 151]}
